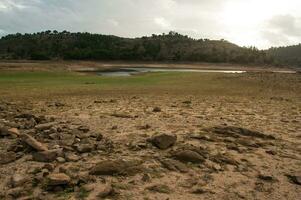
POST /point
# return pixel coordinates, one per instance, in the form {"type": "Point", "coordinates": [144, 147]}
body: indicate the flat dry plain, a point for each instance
{"type": "Point", "coordinates": [152, 136]}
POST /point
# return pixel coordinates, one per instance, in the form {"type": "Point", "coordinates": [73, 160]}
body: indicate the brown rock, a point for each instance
{"type": "Point", "coordinates": [72, 157]}
{"type": "Point", "coordinates": [188, 156]}
{"type": "Point", "coordinates": [111, 167]}
{"type": "Point", "coordinates": [84, 148]}
{"type": "Point", "coordinates": [46, 156]}
{"type": "Point", "coordinates": [174, 165]}
{"type": "Point", "coordinates": [58, 179]}
{"type": "Point", "coordinates": [160, 188]}
{"type": "Point", "coordinates": [4, 131]}
{"type": "Point", "coordinates": [157, 109]}
{"type": "Point", "coordinates": [45, 126]}
{"type": "Point", "coordinates": [18, 180]}
{"type": "Point", "coordinates": [296, 179]}
{"type": "Point", "coordinates": [100, 191]}
{"type": "Point", "coordinates": [14, 131]}
{"type": "Point", "coordinates": [33, 142]}
{"type": "Point", "coordinates": [163, 141]}
{"type": "Point", "coordinates": [7, 157]}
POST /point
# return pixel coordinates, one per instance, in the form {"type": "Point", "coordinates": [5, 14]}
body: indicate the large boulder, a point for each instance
{"type": "Point", "coordinates": [163, 141]}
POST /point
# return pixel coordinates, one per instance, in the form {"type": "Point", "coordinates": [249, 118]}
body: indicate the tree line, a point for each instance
{"type": "Point", "coordinates": [54, 45]}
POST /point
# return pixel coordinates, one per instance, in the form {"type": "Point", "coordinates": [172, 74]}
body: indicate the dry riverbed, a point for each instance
{"type": "Point", "coordinates": [191, 136]}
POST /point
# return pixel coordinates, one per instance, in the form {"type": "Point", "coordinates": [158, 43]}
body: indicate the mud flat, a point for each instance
{"type": "Point", "coordinates": [163, 135]}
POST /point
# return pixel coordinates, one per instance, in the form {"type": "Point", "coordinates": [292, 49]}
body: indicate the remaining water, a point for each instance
{"type": "Point", "coordinates": [138, 70]}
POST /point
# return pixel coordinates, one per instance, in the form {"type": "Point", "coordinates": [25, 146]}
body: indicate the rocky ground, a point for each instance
{"type": "Point", "coordinates": [123, 146]}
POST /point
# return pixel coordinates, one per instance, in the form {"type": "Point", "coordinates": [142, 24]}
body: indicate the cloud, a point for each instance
{"type": "Point", "coordinates": [162, 22]}
{"type": "Point", "coordinates": [283, 30]}
{"type": "Point", "coordinates": [245, 22]}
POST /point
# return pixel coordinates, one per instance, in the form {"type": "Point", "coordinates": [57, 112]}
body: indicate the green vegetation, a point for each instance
{"type": "Point", "coordinates": [290, 55]}
{"type": "Point", "coordinates": [51, 84]}
{"type": "Point", "coordinates": [172, 47]}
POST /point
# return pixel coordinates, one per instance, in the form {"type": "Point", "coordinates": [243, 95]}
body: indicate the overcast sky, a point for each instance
{"type": "Point", "coordinates": [262, 23]}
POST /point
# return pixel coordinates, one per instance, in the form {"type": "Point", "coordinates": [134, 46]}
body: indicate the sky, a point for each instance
{"type": "Point", "coordinates": [260, 23]}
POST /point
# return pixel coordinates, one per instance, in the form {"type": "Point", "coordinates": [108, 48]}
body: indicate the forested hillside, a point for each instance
{"type": "Point", "coordinates": [166, 47]}
{"type": "Point", "coordinates": [290, 55]}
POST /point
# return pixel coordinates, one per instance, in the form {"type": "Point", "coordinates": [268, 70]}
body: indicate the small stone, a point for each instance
{"type": "Point", "coordinates": [146, 178]}
{"type": "Point", "coordinates": [85, 148]}
{"type": "Point", "coordinates": [71, 157]}
{"type": "Point", "coordinates": [189, 156]}
{"type": "Point", "coordinates": [33, 142]}
{"type": "Point", "coordinates": [58, 179]}
{"type": "Point", "coordinates": [84, 129]}
{"type": "Point", "coordinates": [100, 191]}
{"type": "Point", "coordinates": [18, 180]}
{"type": "Point", "coordinates": [16, 192]}
{"type": "Point", "coordinates": [60, 159]}
{"type": "Point", "coordinates": [7, 157]}
{"type": "Point", "coordinates": [266, 177]}
{"type": "Point", "coordinates": [4, 131]}
{"type": "Point", "coordinates": [46, 156]}
{"type": "Point", "coordinates": [111, 167]}
{"type": "Point", "coordinates": [272, 152]}
{"type": "Point", "coordinates": [296, 179]}
{"type": "Point", "coordinates": [174, 165]}
{"type": "Point", "coordinates": [156, 109]}
{"type": "Point", "coordinates": [160, 188]}
{"type": "Point", "coordinates": [45, 126]}
{"type": "Point", "coordinates": [163, 141]}
{"type": "Point", "coordinates": [14, 131]}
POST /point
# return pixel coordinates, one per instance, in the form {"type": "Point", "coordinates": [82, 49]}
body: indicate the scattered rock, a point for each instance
{"type": "Point", "coordinates": [111, 167]}
{"type": "Point", "coordinates": [14, 131]}
{"type": "Point", "coordinates": [33, 142]}
{"type": "Point", "coordinates": [18, 180]}
{"type": "Point", "coordinates": [266, 177]}
{"type": "Point", "coordinates": [58, 179]}
{"type": "Point", "coordinates": [160, 188]}
{"type": "Point", "coordinates": [60, 159]}
{"type": "Point", "coordinates": [47, 156]}
{"type": "Point", "coordinates": [121, 115]}
{"type": "Point", "coordinates": [272, 152]}
{"type": "Point", "coordinates": [84, 129]}
{"type": "Point", "coordinates": [296, 179]}
{"type": "Point", "coordinates": [224, 159]}
{"type": "Point", "coordinates": [156, 109]}
{"type": "Point", "coordinates": [100, 191]}
{"type": "Point", "coordinates": [45, 126]}
{"type": "Point", "coordinates": [84, 148]}
{"type": "Point", "coordinates": [15, 193]}
{"type": "Point", "coordinates": [188, 156]}
{"type": "Point", "coordinates": [4, 131]}
{"type": "Point", "coordinates": [27, 116]}
{"type": "Point", "coordinates": [237, 131]}
{"type": "Point", "coordinates": [163, 141]}
{"type": "Point", "coordinates": [7, 157]}
{"type": "Point", "coordinates": [174, 165]}
{"type": "Point", "coordinates": [71, 157]}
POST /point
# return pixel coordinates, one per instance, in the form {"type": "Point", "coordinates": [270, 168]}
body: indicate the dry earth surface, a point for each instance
{"type": "Point", "coordinates": [187, 136]}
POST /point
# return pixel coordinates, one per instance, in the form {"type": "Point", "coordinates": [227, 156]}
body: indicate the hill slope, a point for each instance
{"type": "Point", "coordinates": [290, 55]}
{"type": "Point", "coordinates": [165, 47]}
